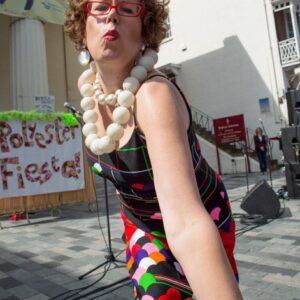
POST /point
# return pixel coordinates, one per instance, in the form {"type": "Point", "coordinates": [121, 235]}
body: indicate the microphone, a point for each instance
{"type": "Point", "coordinates": [72, 109]}
{"type": "Point", "coordinates": [260, 121]}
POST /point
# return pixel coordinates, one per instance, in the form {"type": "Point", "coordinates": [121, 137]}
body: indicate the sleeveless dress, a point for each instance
{"type": "Point", "coordinates": [154, 271]}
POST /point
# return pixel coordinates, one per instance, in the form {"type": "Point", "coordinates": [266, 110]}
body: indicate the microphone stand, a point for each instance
{"type": "Point", "coordinates": [110, 257]}
{"type": "Point", "coordinates": [269, 152]}
{"type": "Point", "coordinates": [246, 167]}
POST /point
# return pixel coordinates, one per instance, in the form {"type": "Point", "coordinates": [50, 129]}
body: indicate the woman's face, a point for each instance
{"type": "Point", "coordinates": [112, 37]}
{"type": "Point", "coordinates": [258, 131]}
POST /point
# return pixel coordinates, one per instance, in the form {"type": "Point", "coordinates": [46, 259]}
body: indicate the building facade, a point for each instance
{"type": "Point", "coordinates": [235, 57]}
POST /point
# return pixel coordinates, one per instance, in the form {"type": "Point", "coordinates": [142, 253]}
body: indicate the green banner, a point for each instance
{"type": "Point", "coordinates": [51, 11]}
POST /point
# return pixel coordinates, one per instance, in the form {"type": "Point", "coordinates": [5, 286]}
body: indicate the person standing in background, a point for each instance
{"type": "Point", "coordinates": [260, 141]}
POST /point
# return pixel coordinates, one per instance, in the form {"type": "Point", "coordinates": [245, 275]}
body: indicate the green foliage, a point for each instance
{"type": "Point", "coordinates": [67, 118]}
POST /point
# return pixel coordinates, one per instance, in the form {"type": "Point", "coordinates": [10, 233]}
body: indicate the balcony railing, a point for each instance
{"type": "Point", "coordinates": [289, 52]}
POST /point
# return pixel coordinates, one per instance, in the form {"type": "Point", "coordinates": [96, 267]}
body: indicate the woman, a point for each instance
{"type": "Point", "coordinates": [260, 142]}
{"type": "Point", "coordinates": [138, 130]}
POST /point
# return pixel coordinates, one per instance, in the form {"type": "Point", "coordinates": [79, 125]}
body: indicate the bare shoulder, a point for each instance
{"type": "Point", "coordinates": [158, 100]}
{"type": "Point", "coordinates": [156, 85]}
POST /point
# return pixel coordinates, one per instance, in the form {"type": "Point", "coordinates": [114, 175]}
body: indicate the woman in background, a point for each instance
{"type": "Point", "coordinates": [260, 142]}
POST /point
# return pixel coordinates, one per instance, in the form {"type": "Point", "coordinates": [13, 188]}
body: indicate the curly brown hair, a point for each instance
{"type": "Point", "coordinates": [154, 25]}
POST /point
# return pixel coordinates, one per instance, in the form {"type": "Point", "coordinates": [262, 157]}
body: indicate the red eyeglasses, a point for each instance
{"type": "Point", "coordinates": [126, 9]}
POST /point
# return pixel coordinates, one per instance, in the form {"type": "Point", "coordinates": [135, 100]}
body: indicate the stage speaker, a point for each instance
{"type": "Point", "coordinates": [293, 106]}
{"type": "Point", "coordinates": [261, 200]}
{"type": "Point", "coordinates": [290, 138]}
{"type": "Point", "coordinates": [292, 174]}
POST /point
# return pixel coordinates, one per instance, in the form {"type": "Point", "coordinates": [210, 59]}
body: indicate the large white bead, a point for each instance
{"type": "Point", "coordinates": [89, 139]}
{"type": "Point", "coordinates": [90, 116]}
{"type": "Point", "coordinates": [121, 115]}
{"type": "Point", "coordinates": [147, 62]}
{"type": "Point", "coordinates": [87, 76]}
{"type": "Point", "coordinates": [89, 128]}
{"type": "Point", "coordinates": [139, 72]}
{"type": "Point", "coordinates": [87, 103]}
{"type": "Point", "coordinates": [131, 84]}
{"type": "Point", "coordinates": [97, 93]}
{"type": "Point", "coordinates": [101, 99]}
{"type": "Point", "coordinates": [86, 90]}
{"type": "Point", "coordinates": [126, 98]}
{"type": "Point", "coordinates": [106, 144]}
{"type": "Point", "coordinates": [96, 87]}
{"type": "Point", "coordinates": [111, 99]}
{"type": "Point", "coordinates": [115, 131]}
{"type": "Point", "coordinates": [96, 146]}
{"type": "Point", "coordinates": [152, 53]}
{"type": "Point", "coordinates": [118, 92]}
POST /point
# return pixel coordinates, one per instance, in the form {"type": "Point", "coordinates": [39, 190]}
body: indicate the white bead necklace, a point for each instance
{"type": "Point", "coordinates": [123, 99]}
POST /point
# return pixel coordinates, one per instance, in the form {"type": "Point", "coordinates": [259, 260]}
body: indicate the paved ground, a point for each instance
{"type": "Point", "coordinates": [43, 259]}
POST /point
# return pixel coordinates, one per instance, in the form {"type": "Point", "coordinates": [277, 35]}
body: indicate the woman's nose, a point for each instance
{"type": "Point", "coordinates": [113, 15]}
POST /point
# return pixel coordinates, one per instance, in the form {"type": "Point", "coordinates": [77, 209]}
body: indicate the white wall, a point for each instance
{"type": "Point", "coordinates": [228, 64]}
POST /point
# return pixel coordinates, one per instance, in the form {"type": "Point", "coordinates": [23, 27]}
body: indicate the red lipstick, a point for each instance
{"type": "Point", "coordinates": [111, 35]}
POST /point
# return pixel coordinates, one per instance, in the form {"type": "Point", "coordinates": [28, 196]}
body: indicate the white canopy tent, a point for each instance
{"type": "Point", "coordinates": [51, 11]}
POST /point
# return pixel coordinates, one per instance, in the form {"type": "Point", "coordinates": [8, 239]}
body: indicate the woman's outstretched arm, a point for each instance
{"type": "Point", "coordinates": [191, 234]}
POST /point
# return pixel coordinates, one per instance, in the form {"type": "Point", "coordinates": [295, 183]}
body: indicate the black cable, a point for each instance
{"type": "Point", "coordinates": [237, 199]}
{"type": "Point", "coordinates": [246, 230]}
{"type": "Point", "coordinates": [251, 227]}
{"type": "Point", "coordinates": [98, 216]}
{"type": "Point", "coordinates": [237, 215]}
{"type": "Point", "coordinates": [78, 290]}
{"type": "Point", "coordinates": [123, 280]}
{"type": "Point", "coordinates": [253, 219]}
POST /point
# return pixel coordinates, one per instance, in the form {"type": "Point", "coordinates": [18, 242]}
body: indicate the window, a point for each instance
{"type": "Point", "coordinates": [289, 24]}
{"type": "Point", "coordinates": [169, 32]}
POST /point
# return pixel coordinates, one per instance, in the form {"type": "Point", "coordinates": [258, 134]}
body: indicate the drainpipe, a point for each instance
{"type": "Point", "coordinates": [295, 25]}
{"type": "Point", "coordinates": [276, 110]}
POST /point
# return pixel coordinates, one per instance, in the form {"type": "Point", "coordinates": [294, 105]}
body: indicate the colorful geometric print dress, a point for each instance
{"type": "Point", "coordinates": [154, 271]}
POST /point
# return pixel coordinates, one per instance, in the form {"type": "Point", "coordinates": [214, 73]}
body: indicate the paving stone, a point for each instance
{"type": "Point", "coordinates": [78, 248]}
{"type": "Point", "coordinates": [61, 258]}
{"type": "Point", "coordinates": [6, 267]}
{"type": "Point", "coordinates": [38, 297]}
{"type": "Point", "coordinates": [126, 292]}
{"type": "Point", "coordinates": [52, 264]}
{"type": "Point", "coordinates": [26, 254]}
{"type": "Point", "coordinates": [23, 291]}
{"type": "Point", "coordinates": [4, 293]}
{"type": "Point", "coordinates": [45, 272]}
{"type": "Point", "coordinates": [12, 298]}
{"type": "Point", "coordinates": [3, 275]}
{"type": "Point", "coordinates": [8, 283]}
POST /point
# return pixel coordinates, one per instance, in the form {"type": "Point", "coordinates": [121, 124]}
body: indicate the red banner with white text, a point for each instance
{"type": "Point", "coordinates": [229, 130]}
